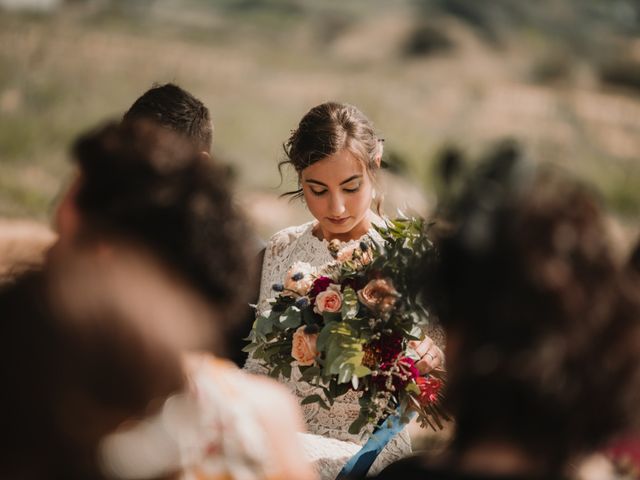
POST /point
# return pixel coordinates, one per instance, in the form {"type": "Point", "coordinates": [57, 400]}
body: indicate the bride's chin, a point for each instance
{"type": "Point", "coordinates": [341, 229]}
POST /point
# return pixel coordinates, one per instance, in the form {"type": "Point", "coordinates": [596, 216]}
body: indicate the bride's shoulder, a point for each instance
{"type": "Point", "coordinates": [286, 237]}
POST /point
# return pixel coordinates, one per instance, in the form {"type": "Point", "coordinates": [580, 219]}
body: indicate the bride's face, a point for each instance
{"type": "Point", "coordinates": [338, 191]}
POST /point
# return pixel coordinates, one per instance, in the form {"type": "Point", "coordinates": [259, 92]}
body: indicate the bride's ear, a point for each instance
{"type": "Point", "coordinates": [378, 158]}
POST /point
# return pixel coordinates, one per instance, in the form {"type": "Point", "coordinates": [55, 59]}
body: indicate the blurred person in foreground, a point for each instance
{"type": "Point", "coordinates": [140, 184]}
{"type": "Point", "coordinates": [542, 328]}
{"type": "Point", "coordinates": [187, 234]}
{"type": "Point", "coordinates": [624, 451]}
{"type": "Point", "coordinates": [177, 109]}
{"type": "Point", "coordinates": [73, 366]}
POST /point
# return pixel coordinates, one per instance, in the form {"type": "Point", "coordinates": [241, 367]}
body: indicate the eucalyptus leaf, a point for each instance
{"type": "Point", "coordinates": [345, 373]}
{"type": "Point", "coordinates": [361, 371]}
{"type": "Point", "coordinates": [311, 399]}
{"type": "Point", "coordinates": [349, 303]}
{"type": "Point", "coordinates": [310, 373]}
{"type": "Point", "coordinates": [263, 326]}
{"type": "Point", "coordinates": [358, 424]}
{"type": "Point", "coordinates": [291, 318]}
{"type": "Point", "coordinates": [331, 317]}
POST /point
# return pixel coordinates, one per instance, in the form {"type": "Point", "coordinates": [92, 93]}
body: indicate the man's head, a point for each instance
{"type": "Point", "coordinates": [175, 108]}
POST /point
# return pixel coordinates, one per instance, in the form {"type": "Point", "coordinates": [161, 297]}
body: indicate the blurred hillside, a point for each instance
{"type": "Point", "coordinates": [563, 78]}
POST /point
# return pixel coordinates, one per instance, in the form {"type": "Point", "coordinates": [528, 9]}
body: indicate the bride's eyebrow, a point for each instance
{"type": "Point", "coordinates": [318, 182]}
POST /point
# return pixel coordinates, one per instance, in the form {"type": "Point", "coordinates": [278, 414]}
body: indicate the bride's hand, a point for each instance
{"type": "Point", "coordinates": [431, 356]}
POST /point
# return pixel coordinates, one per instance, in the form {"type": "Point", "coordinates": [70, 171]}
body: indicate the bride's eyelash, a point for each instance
{"type": "Point", "coordinates": [322, 192]}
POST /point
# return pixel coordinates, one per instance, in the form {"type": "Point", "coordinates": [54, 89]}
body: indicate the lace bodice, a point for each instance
{"type": "Point", "coordinates": [328, 444]}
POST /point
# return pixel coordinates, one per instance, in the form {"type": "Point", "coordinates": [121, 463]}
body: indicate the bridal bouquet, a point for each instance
{"type": "Point", "coordinates": [346, 326]}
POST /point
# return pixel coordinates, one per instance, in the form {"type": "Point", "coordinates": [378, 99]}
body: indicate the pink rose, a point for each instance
{"type": "Point", "coordinates": [330, 300]}
{"type": "Point", "coordinates": [303, 348]}
{"type": "Point", "coordinates": [356, 254]}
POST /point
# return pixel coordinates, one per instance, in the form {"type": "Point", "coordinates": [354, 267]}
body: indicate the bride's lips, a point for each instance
{"type": "Point", "coordinates": [338, 221]}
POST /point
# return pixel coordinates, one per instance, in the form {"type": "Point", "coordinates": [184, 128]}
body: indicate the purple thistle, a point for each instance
{"type": "Point", "coordinates": [302, 303]}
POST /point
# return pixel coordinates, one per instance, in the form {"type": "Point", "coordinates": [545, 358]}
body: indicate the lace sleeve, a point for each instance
{"type": "Point", "coordinates": [273, 269]}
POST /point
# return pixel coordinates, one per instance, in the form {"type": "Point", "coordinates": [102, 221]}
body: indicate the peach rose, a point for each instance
{"type": "Point", "coordinates": [330, 300]}
{"type": "Point", "coordinates": [356, 254]}
{"type": "Point", "coordinates": [303, 349]}
{"type": "Point", "coordinates": [346, 253]}
{"type": "Point", "coordinates": [378, 295]}
{"type": "Point", "coordinates": [299, 279]}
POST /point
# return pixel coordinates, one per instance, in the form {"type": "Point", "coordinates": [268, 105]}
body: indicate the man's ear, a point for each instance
{"type": "Point", "coordinates": [204, 156]}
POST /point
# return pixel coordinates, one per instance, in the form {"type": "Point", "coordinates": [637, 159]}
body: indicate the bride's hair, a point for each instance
{"type": "Point", "coordinates": [543, 317]}
{"type": "Point", "coordinates": [325, 130]}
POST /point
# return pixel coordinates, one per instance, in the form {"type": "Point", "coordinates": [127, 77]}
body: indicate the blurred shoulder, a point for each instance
{"type": "Point", "coordinates": [237, 383]}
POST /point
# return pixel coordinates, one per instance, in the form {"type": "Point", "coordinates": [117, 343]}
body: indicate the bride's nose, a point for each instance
{"type": "Point", "coordinates": [336, 206]}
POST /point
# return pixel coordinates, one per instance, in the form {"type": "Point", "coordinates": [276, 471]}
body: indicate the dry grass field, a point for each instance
{"type": "Point", "coordinates": [427, 81]}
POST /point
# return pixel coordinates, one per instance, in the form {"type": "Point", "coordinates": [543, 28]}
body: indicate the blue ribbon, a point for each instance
{"type": "Point", "coordinates": [361, 462]}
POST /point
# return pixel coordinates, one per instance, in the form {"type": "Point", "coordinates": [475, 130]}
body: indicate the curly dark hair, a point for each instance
{"type": "Point", "coordinates": [150, 185]}
{"type": "Point", "coordinates": [542, 320]}
{"type": "Point", "coordinates": [175, 108]}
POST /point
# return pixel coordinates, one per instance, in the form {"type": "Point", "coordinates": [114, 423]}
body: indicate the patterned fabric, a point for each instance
{"type": "Point", "coordinates": [329, 444]}
{"type": "Point", "coordinates": [227, 425]}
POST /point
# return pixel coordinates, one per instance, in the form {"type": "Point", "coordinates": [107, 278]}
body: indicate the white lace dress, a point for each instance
{"type": "Point", "coordinates": [328, 444]}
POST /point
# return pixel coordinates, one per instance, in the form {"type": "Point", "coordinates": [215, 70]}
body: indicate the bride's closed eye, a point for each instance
{"type": "Point", "coordinates": [351, 187]}
{"type": "Point", "coordinates": [322, 192]}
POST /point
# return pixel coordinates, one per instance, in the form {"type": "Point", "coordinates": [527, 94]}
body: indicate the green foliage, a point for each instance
{"type": "Point", "coordinates": [349, 304]}
{"type": "Point", "coordinates": [377, 323]}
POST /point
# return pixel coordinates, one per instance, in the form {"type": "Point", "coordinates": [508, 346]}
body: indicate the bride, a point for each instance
{"type": "Point", "coordinates": [336, 154]}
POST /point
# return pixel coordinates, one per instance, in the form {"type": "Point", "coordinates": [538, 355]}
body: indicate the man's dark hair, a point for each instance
{"type": "Point", "coordinates": [544, 320]}
{"type": "Point", "coordinates": [149, 185]}
{"type": "Point", "coordinates": [175, 108]}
